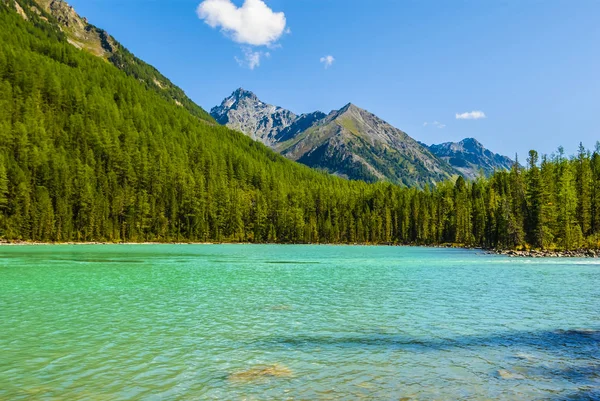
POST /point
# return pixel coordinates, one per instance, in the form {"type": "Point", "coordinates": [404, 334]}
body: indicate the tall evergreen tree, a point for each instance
{"type": "Point", "coordinates": [534, 225]}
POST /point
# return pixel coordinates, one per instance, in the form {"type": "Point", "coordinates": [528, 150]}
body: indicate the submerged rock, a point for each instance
{"type": "Point", "coordinates": [579, 332]}
{"type": "Point", "coordinates": [524, 356]}
{"type": "Point", "coordinates": [508, 375]}
{"type": "Point", "coordinates": [261, 373]}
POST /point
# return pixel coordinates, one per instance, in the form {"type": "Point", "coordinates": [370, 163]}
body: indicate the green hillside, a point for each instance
{"type": "Point", "coordinates": [76, 30]}
{"type": "Point", "coordinates": [90, 153]}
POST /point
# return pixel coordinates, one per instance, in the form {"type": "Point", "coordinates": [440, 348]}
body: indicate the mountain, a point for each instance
{"type": "Point", "coordinates": [353, 143]}
{"type": "Point", "coordinates": [89, 38]}
{"type": "Point", "coordinates": [88, 152]}
{"type": "Point", "coordinates": [350, 142]}
{"type": "Point", "coordinates": [243, 111]}
{"type": "Point", "coordinates": [469, 157]}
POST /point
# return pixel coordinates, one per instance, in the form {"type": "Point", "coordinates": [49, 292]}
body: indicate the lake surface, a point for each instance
{"type": "Point", "coordinates": [295, 322]}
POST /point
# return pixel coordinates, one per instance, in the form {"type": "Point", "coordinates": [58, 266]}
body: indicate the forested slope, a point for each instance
{"type": "Point", "coordinates": [77, 31]}
{"type": "Point", "coordinates": [88, 153]}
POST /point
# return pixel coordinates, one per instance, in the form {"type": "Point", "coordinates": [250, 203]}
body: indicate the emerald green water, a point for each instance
{"type": "Point", "coordinates": [295, 322]}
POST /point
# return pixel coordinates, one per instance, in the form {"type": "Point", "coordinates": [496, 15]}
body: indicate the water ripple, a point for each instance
{"type": "Point", "coordinates": [266, 322]}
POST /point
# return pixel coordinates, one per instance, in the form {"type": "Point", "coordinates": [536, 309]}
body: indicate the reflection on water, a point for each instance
{"type": "Point", "coordinates": [266, 322]}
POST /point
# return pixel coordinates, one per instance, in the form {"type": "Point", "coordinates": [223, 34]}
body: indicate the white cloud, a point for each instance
{"type": "Point", "coordinates": [327, 60]}
{"type": "Point", "coordinates": [254, 23]}
{"type": "Point", "coordinates": [251, 58]}
{"type": "Point", "coordinates": [436, 124]}
{"type": "Point", "coordinates": [473, 115]}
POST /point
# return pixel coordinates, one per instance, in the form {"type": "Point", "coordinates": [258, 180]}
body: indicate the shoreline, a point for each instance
{"type": "Point", "coordinates": [582, 253]}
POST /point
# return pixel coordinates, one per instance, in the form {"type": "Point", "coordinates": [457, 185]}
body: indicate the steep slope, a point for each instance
{"type": "Point", "coordinates": [88, 153]}
{"type": "Point", "coordinates": [354, 143]}
{"type": "Point", "coordinates": [85, 36]}
{"type": "Point", "coordinates": [349, 142]}
{"type": "Point", "coordinates": [470, 157]}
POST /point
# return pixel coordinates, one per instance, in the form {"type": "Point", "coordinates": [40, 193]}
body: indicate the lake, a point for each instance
{"type": "Point", "coordinates": [104, 322]}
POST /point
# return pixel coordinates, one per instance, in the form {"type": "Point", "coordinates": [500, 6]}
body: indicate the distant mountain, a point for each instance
{"type": "Point", "coordinates": [83, 35]}
{"type": "Point", "coordinates": [243, 111]}
{"type": "Point", "coordinates": [353, 143]}
{"type": "Point", "coordinates": [350, 142]}
{"type": "Point", "coordinates": [469, 157]}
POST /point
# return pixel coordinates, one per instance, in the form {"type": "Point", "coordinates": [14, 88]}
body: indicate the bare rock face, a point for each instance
{"type": "Point", "coordinates": [244, 112]}
{"type": "Point", "coordinates": [65, 14]}
{"type": "Point", "coordinates": [354, 143]}
{"type": "Point", "coordinates": [79, 32]}
{"type": "Point", "coordinates": [21, 11]}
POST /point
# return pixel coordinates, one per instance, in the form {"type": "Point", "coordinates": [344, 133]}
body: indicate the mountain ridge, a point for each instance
{"type": "Point", "coordinates": [352, 142]}
{"type": "Point", "coordinates": [470, 157]}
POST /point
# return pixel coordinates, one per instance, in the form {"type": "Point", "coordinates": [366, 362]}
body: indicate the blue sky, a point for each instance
{"type": "Point", "coordinates": [531, 66]}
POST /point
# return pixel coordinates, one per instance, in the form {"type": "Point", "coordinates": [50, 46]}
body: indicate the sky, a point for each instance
{"type": "Point", "coordinates": [514, 74]}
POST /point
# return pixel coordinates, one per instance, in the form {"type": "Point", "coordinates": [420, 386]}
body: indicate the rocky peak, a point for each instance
{"type": "Point", "coordinates": [349, 108]}
{"type": "Point", "coordinates": [243, 111]}
{"type": "Point", "coordinates": [237, 99]}
{"type": "Point", "coordinates": [242, 93]}
{"type": "Point", "coordinates": [472, 145]}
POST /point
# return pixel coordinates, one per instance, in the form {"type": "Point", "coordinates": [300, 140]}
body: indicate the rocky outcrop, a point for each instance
{"type": "Point", "coordinates": [21, 12]}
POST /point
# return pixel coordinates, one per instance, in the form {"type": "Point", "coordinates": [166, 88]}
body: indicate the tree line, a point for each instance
{"type": "Point", "coordinates": [88, 153]}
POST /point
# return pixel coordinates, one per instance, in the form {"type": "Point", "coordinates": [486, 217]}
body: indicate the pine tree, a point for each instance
{"type": "Point", "coordinates": [534, 226]}
{"type": "Point", "coordinates": [583, 186]}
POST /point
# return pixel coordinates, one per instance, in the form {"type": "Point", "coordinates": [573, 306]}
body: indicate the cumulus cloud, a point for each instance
{"type": "Point", "coordinates": [251, 59]}
{"type": "Point", "coordinates": [327, 61]}
{"type": "Point", "coordinates": [254, 23]}
{"type": "Point", "coordinates": [473, 115]}
{"type": "Point", "coordinates": [436, 124]}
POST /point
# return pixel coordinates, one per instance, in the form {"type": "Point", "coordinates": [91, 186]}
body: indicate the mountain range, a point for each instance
{"type": "Point", "coordinates": [350, 142]}
{"type": "Point", "coordinates": [92, 149]}
{"type": "Point", "coordinates": [354, 143]}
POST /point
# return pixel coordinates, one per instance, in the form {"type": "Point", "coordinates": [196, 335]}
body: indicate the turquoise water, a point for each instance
{"type": "Point", "coordinates": [295, 322]}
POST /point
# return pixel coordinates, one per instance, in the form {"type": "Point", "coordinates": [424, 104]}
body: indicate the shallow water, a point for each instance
{"type": "Point", "coordinates": [295, 322]}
